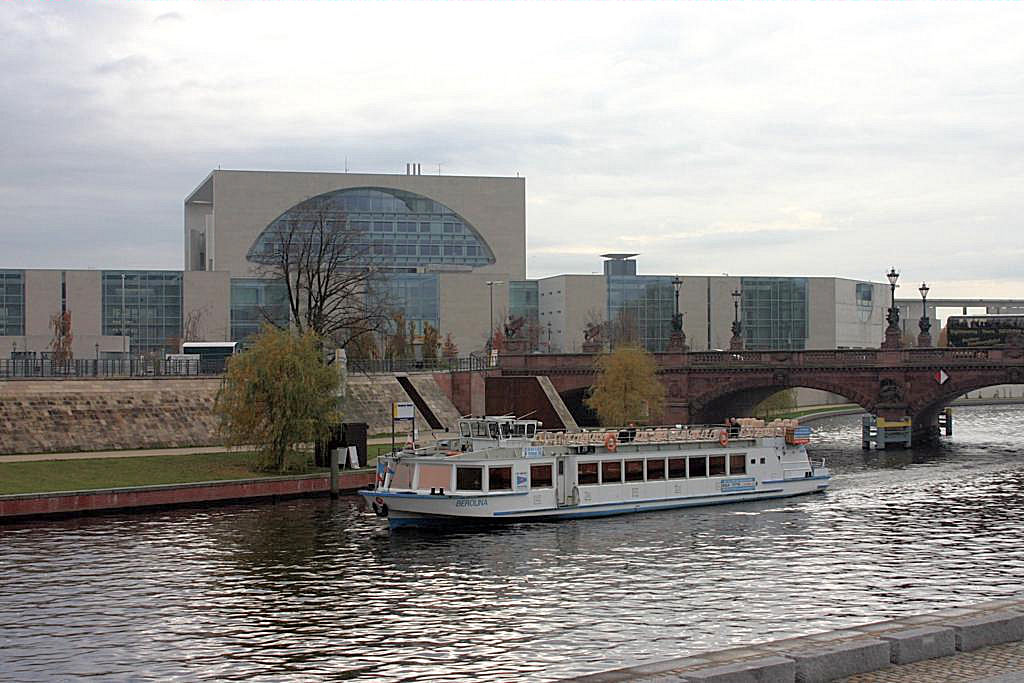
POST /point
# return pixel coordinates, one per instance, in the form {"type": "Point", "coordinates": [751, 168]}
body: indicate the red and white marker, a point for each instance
{"type": "Point", "coordinates": [941, 377]}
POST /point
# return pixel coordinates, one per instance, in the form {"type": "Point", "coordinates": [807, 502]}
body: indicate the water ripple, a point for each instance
{"type": "Point", "coordinates": [314, 590]}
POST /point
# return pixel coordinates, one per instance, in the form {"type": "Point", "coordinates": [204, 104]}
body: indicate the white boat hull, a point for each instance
{"type": "Point", "coordinates": [404, 510]}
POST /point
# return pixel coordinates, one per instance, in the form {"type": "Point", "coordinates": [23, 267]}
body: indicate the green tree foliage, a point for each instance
{"type": "Point", "coordinates": [431, 342]}
{"type": "Point", "coordinates": [778, 403]}
{"type": "Point", "coordinates": [627, 388]}
{"type": "Point", "coordinates": [278, 395]}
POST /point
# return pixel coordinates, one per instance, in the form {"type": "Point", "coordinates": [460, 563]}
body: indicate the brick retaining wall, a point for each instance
{"type": "Point", "coordinates": [78, 502]}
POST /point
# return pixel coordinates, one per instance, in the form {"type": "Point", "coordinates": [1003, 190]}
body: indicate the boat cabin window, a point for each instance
{"type": "Point", "coordinates": [716, 466]}
{"type": "Point", "coordinates": [698, 467]}
{"type": "Point", "coordinates": [479, 429]}
{"type": "Point", "coordinates": [634, 470]}
{"type": "Point", "coordinates": [435, 476]}
{"type": "Point", "coordinates": [524, 429]}
{"type": "Point", "coordinates": [465, 429]}
{"type": "Point", "coordinates": [469, 478]}
{"type": "Point", "coordinates": [499, 478]}
{"type": "Point", "coordinates": [540, 476]}
{"type": "Point", "coordinates": [492, 430]}
{"type": "Point", "coordinates": [611, 472]}
{"type": "Point", "coordinates": [586, 473]}
{"type": "Point", "coordinates": [656, 469]}
{"type": "Point", "coordinates": [738, 464]}
{"type": "Point", "coordinates": [402, 478]}
{"type": "Point", "coordinates": [677, 468]}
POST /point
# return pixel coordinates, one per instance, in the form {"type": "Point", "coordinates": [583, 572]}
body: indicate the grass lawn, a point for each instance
{"type": "Point", "coordinates": [101, 473]}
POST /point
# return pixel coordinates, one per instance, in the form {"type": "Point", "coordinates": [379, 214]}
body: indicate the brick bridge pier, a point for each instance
{"type": "Point", "coordinates": [706, 387]}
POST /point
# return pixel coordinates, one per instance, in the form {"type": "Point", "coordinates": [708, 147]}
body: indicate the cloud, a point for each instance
{"type": "Point", "coordinates": [801, 139]}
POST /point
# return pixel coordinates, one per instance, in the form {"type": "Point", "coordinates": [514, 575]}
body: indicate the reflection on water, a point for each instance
{"type": "Point", "coordinates": [311, 589]}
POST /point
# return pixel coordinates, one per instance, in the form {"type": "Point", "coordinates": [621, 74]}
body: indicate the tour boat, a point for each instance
{"type": "Point", "coordinates": [503, 469]}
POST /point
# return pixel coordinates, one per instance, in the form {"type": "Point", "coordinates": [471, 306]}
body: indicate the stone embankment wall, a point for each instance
{"type": "Point", "coordinates": [53, 416]}
{"type": "Point", "coordinates": [48, 416]}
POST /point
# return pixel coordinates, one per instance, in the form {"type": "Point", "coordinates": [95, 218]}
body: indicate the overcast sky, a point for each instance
{"type": "Point", "coordinates": [748, 138]}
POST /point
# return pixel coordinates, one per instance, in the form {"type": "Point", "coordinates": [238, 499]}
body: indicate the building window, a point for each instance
{"type": "Point", "coordinates": [386, 215]}
{"type": "Point", "coordinates": [147, 309]}
{"type": "Point", "coordinates": [255, 303]}
{"type": "Point", "coordinates": [775, 312]}
{"type": "Point", "coordinates": [416, 296]}
{"type": "Point", "coordinates": [12, 303]}
{"type": "Point", "coordinates": [640, 309]}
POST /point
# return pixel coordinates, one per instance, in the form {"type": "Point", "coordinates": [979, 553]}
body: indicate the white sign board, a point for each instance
{"type": "Point", "coordinates": [403, 411]}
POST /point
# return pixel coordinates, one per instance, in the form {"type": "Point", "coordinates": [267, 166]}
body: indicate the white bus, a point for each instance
{"type": "Point", "coordinates": [213, 356]}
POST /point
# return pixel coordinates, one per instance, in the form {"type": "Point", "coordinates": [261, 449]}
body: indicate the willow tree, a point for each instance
{"type": "Point", "coordinates": [278, 395]}
{"type": "Point", "coordinates": [627, 388]}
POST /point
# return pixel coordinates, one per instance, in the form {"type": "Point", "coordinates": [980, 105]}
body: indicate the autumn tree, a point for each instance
{"type": "Point", "coordinates": [332, 283]}
{"type": "Point", "coordinates": [431, 342]}
{"type": "Point", "coordinates": [60, 344]}
{"type": "Point", "coordinates": [627, 388]}
{"type": "Point", "coordinates": [397, 345]}
{"type": "Point", "coordinates": [277, 395]}
{"type": "Point", "coordinates": [780, 402]}
{"type": "Point", "coordinates": [449, 350]}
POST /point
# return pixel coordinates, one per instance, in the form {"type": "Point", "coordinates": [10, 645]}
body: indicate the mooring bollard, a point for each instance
{"type": "Point", "coordinates": [334, 472]}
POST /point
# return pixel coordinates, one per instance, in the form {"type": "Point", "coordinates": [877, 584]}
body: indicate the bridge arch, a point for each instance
{"type": "Point", "coordinates": [738, 397]}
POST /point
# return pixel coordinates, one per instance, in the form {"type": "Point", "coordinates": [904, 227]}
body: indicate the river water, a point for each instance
{"type": "Point", "coordinates": [312, 589]}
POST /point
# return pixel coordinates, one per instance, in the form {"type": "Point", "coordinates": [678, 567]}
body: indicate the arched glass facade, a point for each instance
{"type": "Point", "coordinates": [394, 228]}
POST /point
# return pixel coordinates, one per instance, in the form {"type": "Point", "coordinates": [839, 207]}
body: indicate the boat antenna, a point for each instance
{"type": "Point", "coordinates": [523, 417]}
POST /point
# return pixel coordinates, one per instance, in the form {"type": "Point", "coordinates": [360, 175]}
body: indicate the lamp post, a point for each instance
{"type": "Point", "coordinates": [925, 338]}
{"type": "Point", "coordinates": [736, 343]}
{"type": "Point", "coordinates": [677, 342]}
{"type": "Point", "coordinates": [892, 332]}
{"type": "Point", "coordinates": [490, 333]}
{"type": "Point", "coordinates": [122, 318]}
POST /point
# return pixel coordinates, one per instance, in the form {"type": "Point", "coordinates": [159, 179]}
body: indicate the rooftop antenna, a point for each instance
{"type": "Point", "coordinates": [439, 169]}
{"type": "Point", "coordinates": [346, 163]}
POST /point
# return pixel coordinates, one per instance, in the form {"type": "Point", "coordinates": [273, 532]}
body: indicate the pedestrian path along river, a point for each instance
{"type": "Point", "coordinates": [312, 589]}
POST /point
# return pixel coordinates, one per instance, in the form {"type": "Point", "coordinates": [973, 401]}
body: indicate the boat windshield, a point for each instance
{"type": "Point", "coordinates": [492, 430]}
{"type": "Point", "coordinates": [504, 429]}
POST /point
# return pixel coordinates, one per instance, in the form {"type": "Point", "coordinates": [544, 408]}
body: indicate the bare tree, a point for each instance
{"type": "Point", "coordinates": [193, 324]}
{"type": "Point", "coordinates": [62, 337]}
{"type": "Point", "coordinates": [331, 282]}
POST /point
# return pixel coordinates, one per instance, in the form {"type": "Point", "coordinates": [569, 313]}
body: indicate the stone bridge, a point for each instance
{"type": "Point", "coordinates": [706, 387]}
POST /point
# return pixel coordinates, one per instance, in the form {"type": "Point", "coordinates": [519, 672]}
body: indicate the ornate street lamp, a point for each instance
{"type": "Point", "coordinates": [925, 338]}
{"type": "Point", "coordinates": [892, 332]}
{"type": "Point", "coordinates": [677, 342]}
{"type": "Point", "coordinates": [736, 343]}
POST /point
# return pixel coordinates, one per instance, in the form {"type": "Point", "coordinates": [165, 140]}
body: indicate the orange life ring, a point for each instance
{"type": "Point", "coordinates": [723, 438]}
{"type": "Point", "coordinates": [611, 442]}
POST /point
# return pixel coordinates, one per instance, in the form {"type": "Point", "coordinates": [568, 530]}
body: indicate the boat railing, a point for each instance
{"type": "Point", "coordinates": [665, 434]}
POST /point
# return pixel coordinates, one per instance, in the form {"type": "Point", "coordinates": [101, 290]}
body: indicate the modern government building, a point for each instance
{"type": "Point", "coordinates": [452, 250]}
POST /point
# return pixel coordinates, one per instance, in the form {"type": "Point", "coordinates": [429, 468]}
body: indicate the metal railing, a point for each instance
{"type": "Point", "coordinates": [385, 365]}
{"type": "Point", "coordinates": [134, 367]}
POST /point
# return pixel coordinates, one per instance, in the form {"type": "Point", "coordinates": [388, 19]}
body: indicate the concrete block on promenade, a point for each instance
{"type": "Point", "coordinates": [915, 644]}
{"type": "Point", "coordinates": [991, 628]}
{"type": "Point", "coordinates": [762, 670]}
{"type": "Point", "coordinates": [838, 660]}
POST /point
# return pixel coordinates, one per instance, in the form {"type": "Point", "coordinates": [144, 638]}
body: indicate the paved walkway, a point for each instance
{"type": "Point", "coordinates": [995, 664]}
{"type": "Point", "coordinates": [143, 453]}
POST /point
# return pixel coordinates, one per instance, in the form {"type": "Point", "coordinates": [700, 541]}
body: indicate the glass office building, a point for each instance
{"type": "Point", "coordinates": [775, 312]}
{"type": "Point", "coordinates": [255, 302]}
{"type": "Point", "coordinates": [12, 303]}
{"type": "Point", "coordinates": [145, 306]}
{"type": "Point", "coordinates": [640, 310]}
